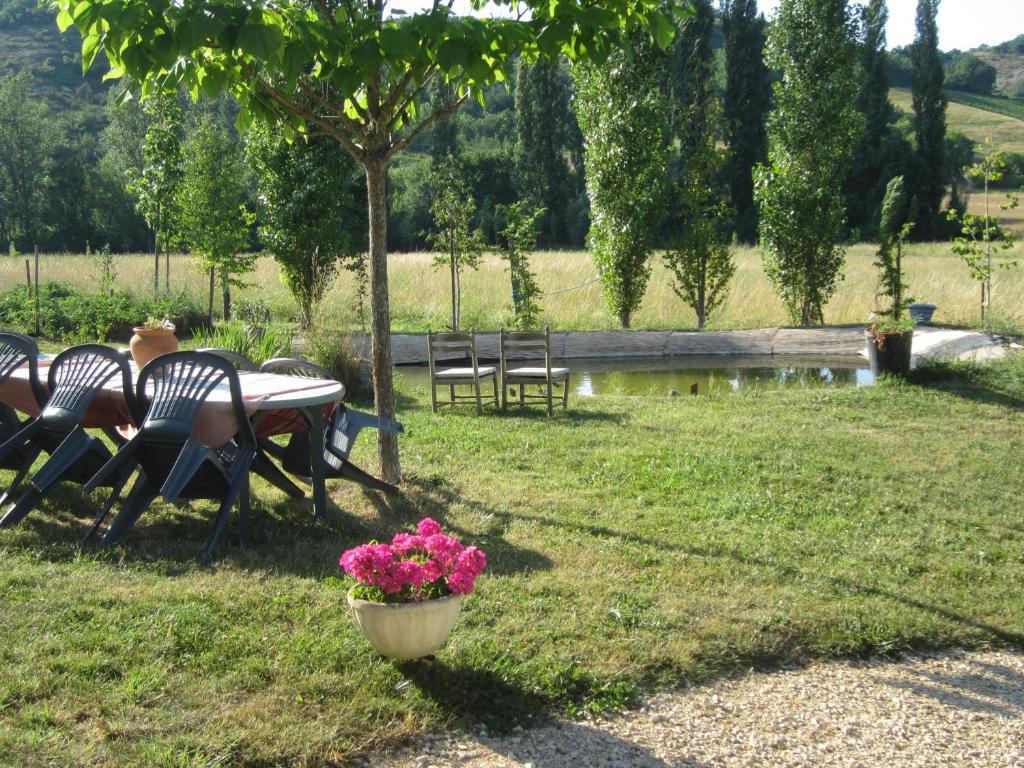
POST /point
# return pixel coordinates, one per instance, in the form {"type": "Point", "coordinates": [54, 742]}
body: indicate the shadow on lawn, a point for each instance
{"type": "Point", "coordinates": [283, 534]}
{"type": "Point", "coordinates": [480, 696]}
{"type": "Point", "coordinates": [969, 381]}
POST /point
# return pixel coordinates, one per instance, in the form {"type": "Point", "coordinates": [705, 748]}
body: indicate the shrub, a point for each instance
{"type": "Point", "coordinates": [257, 343]}
{"type": "Point", "coordinates": [336, 352]}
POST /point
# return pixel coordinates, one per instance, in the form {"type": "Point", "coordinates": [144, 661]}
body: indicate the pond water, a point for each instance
{"type": "Point", "coordinates": [697, 374]}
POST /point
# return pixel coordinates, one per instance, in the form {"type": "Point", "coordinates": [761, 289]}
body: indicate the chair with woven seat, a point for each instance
{"type": "Point", "coordinates": [76, 376]}
{"type": "Point", "coordinates": [342, 428]}
{"type": "Point", "coordinates": [17, 351]}
{"type": "Point", "coordinates": [170, 391]}
{"type": "Point", "coordinates": [544, 376]}
{"type": "Point", "coordinates": [463, 345]}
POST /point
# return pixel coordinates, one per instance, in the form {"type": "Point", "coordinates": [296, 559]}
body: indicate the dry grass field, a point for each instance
{"type": "Point", "coordinates": [419, 293]}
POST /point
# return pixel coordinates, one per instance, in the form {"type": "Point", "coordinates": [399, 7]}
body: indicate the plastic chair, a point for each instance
{"type": "Point", "coordinates": [17, 351]}
{"type": "Point", "coordinates": [544, 376]}
{"type": "Point", "coordinates": [171, 390]}
{"type": "Point", "coordinates": [342, 429]}
{"type": "Point", "coordinates": [463, 344]}
{"type": "Point", "coordinates": [75, 377]}
{"type": "Point", "coordinates": [239, 361]}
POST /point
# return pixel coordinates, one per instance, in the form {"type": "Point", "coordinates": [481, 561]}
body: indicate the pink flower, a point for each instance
{"type": "Point", "coordinates": [460, 583]}
{"type": "Point", "coordinates": [405, 542]}
{"type": "Point", "coordinates": [471, 560]}
{"type": "Point", "coordinates": [428, 527]}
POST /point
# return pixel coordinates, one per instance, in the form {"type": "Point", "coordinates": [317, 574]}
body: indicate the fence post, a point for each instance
{"type": "Point", "coordinates": [28, 276]}
{"type": "Point", "coordinates": [36, 250]}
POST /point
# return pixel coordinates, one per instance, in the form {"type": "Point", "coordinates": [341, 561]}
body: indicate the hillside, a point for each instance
{"type": "Point", "coordinates": [1007, 133]}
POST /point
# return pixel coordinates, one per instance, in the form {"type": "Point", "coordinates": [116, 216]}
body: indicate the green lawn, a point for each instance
{"type": "Point", "coordinates": [633, 543]}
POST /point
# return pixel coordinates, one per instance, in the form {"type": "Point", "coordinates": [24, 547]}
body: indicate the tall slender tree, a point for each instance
{"type": "Point", "coordinates": [623, 115]}
{"type": "Point", "coordinates": [699, 260]}
{"type": "Point", "coordinates": [870, 172]}
{"type": "Point", "coordinates": [929, 122]}
{"type": "Point", "coordinates": [811, 135]}
{"type": "Point", "coordinates": [27, 145]}
{"type": "Point", "coordinates": [541, 169]}
{"type": "Point", "coordinates": [748, 95]}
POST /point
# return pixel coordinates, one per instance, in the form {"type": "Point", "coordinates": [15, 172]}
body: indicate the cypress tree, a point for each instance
{"type": "Point", "coordinates": [929, 121]}
{"type": "Point", "coordinates": [541, 171]}
{"type": "Point", "coordinates": [747, 100]}
{"type": "Point", "coordinates": [866, 184]}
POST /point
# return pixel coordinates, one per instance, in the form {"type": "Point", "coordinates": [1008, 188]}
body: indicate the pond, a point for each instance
{"type": "Point", "coordinates": [697, 374]}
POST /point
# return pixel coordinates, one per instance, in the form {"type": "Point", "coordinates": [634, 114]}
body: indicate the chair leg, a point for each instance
{"type": "Point", "coordinates": [233, 494]}
{"type": "Point", "coordinates": [549, 396]}
{"type": "Point", "coordinates": [494, 383]}
{"type": "Point", "coordinates": [115, 494]}
{"type": "Point", "coordinates": [522, 393]}
{"type": "Point", "coordinates": [479, 402]}
{"type": "Point", "coordinates": [451, 395]}
{"type": "Point", "coordinates": [140, 497]}
{"type": "Point", "coordinates": [565, 394]}
{"type": "Point", "coordinates": [350, 471]}
{"type": "Point", "coordinates": [504, 393]}
{"type": "Point", "coordinates": [433, 395]}
{"type": "Point", "coordinates": [16, 482]}
{"type": "Point", "coordinates": [25, 504]}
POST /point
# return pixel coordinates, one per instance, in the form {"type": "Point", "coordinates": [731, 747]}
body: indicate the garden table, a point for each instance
{"type": "Point", "coordinates": [276, 405]}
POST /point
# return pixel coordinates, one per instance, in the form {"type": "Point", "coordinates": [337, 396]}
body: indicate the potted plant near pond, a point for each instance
{"type": "Point", "coordinates": [409, 592]}
{"type": "Point", "coordinates": [154, 337]}
{"type": "Point", "coordinates": [890, 338]}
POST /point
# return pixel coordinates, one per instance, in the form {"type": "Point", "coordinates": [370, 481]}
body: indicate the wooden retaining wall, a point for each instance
{"type": "Point", "coordinates": [411, 348]}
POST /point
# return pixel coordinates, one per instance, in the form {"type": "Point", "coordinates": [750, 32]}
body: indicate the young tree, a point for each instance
{"type": "Point", "coordinates": [520, 236]}
{"type": "Point", "coordinates": [699, 260]}
{"type": "Point", "coordinates": [811, 135]}
{"type": "Point", "coordinates": [623, 116]}
{"type": "Point", "coordinates": [541, 171]}
{"type": "Point", "coordinates": [459, 246]}
{"type": "Point", "coordinates": [211, 216]}
{"type": "Point", "coordinates": [365, 68]}
{"type": "Point", "coordinates": [893, 229]}
{"type": "Point", "coordinates": [870, 171]}
{"type": "Point", "coordinates": [312, 211]}
{"type": "Point", "coordinates": [748, 96]}
{"type": "Point", "coordinates": [27, 145]}
{"type": "Point", "coordinates": [929, 120]}
{"type": "Point", "coordinates": [155, 185]}
{"type": "Point", "coordinates": [981, 239]}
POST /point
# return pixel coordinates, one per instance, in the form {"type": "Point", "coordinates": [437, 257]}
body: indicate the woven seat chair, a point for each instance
{"type": "Point", "coordinates": [542, 375]}
{"type": "Point", "coordinates": [463, 345]}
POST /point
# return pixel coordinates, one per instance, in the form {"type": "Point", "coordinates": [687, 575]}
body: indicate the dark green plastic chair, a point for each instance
{"type": "Point", "coordinates": [75, 377]}
{"type": "Point", "coordinates": [171, 390]}
{"type": "Point", "coordinates": [342, 429]}
{"type": "Point", "coordinates": [17, 351]}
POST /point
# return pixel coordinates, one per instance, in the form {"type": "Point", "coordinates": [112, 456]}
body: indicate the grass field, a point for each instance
{"type": "Point", "coordinates": [633, 544]}
{"type": "Point", "coordinates": [419, 293]}
{"type": "Point", "coordinates": [1006, 133]}
{"type": "Point", "coordinates": [1010, 107]}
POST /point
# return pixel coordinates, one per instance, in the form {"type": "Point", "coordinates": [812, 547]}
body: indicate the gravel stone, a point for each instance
{"type": "Point", "coordinates": [953, 709]}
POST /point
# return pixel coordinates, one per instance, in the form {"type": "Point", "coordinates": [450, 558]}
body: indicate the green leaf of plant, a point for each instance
{"type": "Point", "coordinates": [260, 40]}
{"type": "Point", "coordinates": [398, 43]}
{"type": "Point", "coordinates": [452, 54]}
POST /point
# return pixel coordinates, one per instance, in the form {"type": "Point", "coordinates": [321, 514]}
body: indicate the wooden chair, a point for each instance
{"type": "Point", "coordinates": [545, 377]}
{"type": "Point", "coordinates": [464, 345]}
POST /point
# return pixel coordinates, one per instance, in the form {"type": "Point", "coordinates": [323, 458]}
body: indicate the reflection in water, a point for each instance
{"type": "Point", "coordinates": [700, 374]}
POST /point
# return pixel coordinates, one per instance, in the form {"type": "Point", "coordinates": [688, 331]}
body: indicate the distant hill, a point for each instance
{"type": "Point", "coordinates": [30, 41]}
{"type": "Point", "coordinates": [1008, 60]}
{"type": "Point", "coordinates": [1006, 132]}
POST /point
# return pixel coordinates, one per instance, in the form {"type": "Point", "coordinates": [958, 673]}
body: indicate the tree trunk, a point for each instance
{"type": "Point", "coordinates": [383, 385]}
{"type": "Point", "coordinates": [451, 265]}
{"type": "Point", "coordinates": [225, 289]}
{"type": "Point", "coordinates": [156, 256]}
{"type": "Point", "coordinates": [167, 271]}
{"type": "Point", "coordinates": [209, 307]}
{"type": "Point", "coordinates": [702, 290]}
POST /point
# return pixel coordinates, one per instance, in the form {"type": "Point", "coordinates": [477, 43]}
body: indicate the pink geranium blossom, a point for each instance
{"type": "Point", "coordinates": [417, 566]}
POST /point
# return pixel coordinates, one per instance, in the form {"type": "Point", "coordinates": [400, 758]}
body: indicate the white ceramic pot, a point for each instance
{"type": "Point", "coordinates": [406, 630]}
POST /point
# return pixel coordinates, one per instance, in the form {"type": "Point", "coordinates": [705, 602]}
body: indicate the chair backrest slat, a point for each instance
{"type": "Point", "coordinates": [17, 350]}
{"type": "Point", "coordinates": [78, 374]}
{"type": "Point", "coordinates": [525, 341]}
{"type": "Point", "coordinates": [181, 382]}
{"type": "Point", "coordinates": [293, 366]}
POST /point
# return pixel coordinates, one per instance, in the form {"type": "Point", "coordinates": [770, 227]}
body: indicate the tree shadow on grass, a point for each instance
{"type": "Point", "coordinates": [969, 381]}
{"type": "Point", "coordinates": [284, 536]}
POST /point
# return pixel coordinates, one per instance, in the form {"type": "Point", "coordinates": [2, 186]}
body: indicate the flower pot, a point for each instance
{"type": "Point", "coordinates": [921, 313]}
{"type": "Point", "coordinates": [147, 344]}
{"type": "Point", "coordinates": [406, 630]}
{"type": "Point", "coordinates": [889, 352]}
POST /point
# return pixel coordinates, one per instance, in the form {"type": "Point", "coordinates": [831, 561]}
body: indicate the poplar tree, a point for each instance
{"type": "Point", "coordinates": [699, 260]}
{"type": "Point", "coordinates": [811, 136]}
{"type": "Point", "coordinates": [623, 116]}
{"type": "Point", "coordinates": [929, 121]}
{"type": "Point", "coordinates": [748, 95]}
{"type": "Point", "coordinates": [866, 184]}
{"type": "Point", "coordinates": [541, 171]}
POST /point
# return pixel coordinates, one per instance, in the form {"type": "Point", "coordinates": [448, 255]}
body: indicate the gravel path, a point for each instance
{"type": "Point", "coordinates": [957, 709]}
